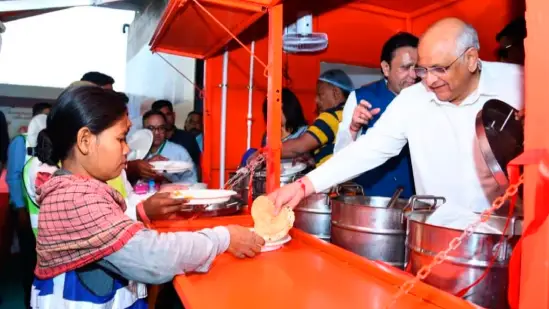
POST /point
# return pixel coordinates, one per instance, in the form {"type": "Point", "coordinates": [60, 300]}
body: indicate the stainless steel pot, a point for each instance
{"type": "Point", "coordinates": [313, 214]}
{"type": "Point", "coordinates": [364, 225]}
{"type": "Point", "coordinates": [468, 262]}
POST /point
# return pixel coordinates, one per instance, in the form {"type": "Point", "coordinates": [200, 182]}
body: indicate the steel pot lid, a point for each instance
{"type": "Point", "coordinates": [500, 136]}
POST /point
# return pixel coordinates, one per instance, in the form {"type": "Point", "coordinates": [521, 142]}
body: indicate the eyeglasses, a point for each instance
{"type": "Point", "coordinates": [438, 71]}
{"type": "Point", "coordinates": [159, 128]}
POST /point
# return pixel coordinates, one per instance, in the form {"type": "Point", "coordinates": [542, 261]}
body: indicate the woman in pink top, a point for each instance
{"type": "Point", "coordinates": [90, 254]}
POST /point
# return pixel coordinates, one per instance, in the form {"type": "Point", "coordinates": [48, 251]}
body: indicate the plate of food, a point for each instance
{"type": "Point", "coordinates": [171, 167]}
{"type": "Point", "coordinates": [274, 229]}
{"type": "Point", "coordinates": [203, 196]}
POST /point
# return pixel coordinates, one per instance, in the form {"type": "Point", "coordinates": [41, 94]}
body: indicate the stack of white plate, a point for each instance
{"type": "Point", "coordinates": [171, 167]}
{"type": "Point", "coordinates": [140, 143]}
{"type": "Point", "coordinates": [204, 196]}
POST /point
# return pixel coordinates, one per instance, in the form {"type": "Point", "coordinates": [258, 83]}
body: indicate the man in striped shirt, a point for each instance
{"type": "Point", "coordinates": [333, 88]}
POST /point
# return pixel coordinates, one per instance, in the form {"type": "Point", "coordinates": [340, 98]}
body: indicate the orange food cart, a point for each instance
{"type": "Point", "coordinates": [241, 42]}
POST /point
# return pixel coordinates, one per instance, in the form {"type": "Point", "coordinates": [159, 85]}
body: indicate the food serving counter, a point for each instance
{"type": "Point", "coordinates": [305, 273]}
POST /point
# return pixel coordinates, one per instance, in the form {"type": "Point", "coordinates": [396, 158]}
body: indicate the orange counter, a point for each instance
{"type": "Point", "coordinates": [305, 273]}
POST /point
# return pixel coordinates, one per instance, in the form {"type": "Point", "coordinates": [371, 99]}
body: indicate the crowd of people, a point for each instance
{"type": "Point", "coordinates": [386, 140]}
{"type": "Point", "coordinates": [84, 239]}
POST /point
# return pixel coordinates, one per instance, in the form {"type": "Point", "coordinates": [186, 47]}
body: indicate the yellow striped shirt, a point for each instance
{"type": "Point", "coordinates": [324, 130]}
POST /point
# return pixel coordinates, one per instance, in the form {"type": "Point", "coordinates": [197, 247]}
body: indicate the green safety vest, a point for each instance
{"type": "Point", "coordinates": [31, 204]}
{"type": "Point", "coordinates": [118, 185]}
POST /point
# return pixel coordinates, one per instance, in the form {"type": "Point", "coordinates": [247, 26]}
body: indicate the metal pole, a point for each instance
{"type": "Point", "coordinates": [223, 120]}
{"type": "Point", "coordinates": [250, 97]}
{"type": "Point", "coordinates": [274, 97]}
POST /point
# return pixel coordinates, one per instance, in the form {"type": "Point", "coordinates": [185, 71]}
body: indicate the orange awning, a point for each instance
{"type": "Point", "coordinates": [186, 29]}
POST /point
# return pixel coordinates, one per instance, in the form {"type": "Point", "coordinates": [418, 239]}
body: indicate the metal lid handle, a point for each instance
{"type": "Point", "coordinates": [436, 201]}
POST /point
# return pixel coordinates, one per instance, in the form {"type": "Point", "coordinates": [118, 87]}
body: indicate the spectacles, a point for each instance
{"type": "Point", "coordinates": [438, 71]}
{"type": "Point", "coordinates": [159, 129]}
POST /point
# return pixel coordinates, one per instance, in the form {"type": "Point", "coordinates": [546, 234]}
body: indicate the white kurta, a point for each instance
{"type": "Point", "coordinates": [446, 159]}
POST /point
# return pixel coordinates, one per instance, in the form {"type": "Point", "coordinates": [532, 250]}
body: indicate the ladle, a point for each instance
{"type": "Point", "coordinates": [395, 197]}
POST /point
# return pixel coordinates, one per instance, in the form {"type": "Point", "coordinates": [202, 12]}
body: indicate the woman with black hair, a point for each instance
{"type": "Point", "coordinates": [293, 121]}
{"type": "Point", "coordinates": [89, 253]}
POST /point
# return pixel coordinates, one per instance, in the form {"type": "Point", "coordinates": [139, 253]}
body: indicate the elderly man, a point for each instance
{"type": "Point", "coordinates": [398, 59]}
{"type": "Point", "coordinates": [163, 149]}
{"type": "Point", "coordinates": [436, 118]}
{"type": "Point", "coordinates": [333, 89]}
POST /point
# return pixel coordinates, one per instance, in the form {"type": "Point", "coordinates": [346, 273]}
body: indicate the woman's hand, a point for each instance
{"type": "Point", "coordinates": [244, 243]}
{"type": "Point", "coordinates": [291, 194]}
{"type": "Point", "coordinates": [161, 205]}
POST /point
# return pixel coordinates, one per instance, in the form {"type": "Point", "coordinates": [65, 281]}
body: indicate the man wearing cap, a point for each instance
{"type": "Point", "coordinates": [333, 88]}
{"type": "Point", "coordinates": [366, 104]}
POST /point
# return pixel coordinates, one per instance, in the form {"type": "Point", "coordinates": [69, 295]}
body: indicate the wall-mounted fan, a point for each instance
{"type": "Point", "coordinates": [300, 38]}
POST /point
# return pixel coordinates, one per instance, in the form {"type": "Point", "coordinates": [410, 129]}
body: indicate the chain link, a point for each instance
{"type": "Point", "coordinates": [243, 172]}
{"type": "Point", "coordinates": [407, 286]}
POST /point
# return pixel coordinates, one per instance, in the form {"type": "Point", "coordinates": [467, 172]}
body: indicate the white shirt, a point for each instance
{"type": "Point", "coordinates": [446, 160]}
{"type": "Point", "coordinates": [344, 137]}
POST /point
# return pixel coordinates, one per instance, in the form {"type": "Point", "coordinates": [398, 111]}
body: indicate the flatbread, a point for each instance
{"type": "Point", "coordinates": [266, 224]}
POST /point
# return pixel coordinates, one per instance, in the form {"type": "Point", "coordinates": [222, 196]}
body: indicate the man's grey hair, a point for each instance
{"type": "Point", "coordinates": [467, 38]}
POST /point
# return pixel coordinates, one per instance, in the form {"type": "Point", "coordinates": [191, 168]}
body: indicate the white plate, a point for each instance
{"type": "Point", "coordinates": [288, 169]}
{"type": "Point", "coordinates": [275, 245]}
{"type": "Point", "coordinates": [139, 143]}
{"type": "Point", "coordinates": [171, 167]}
{"type": "Point", "coordinates": [204, 196]}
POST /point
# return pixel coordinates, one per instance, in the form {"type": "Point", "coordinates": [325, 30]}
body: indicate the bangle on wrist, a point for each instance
{"type": "Point", "coordinates": [142, 214]}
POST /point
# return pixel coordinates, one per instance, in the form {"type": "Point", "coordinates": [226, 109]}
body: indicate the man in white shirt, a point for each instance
{"type": "Point", "coordinates": [436, 118]}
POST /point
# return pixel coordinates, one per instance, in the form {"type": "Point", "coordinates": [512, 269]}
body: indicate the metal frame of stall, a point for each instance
{"type": "Point", "coordinates": [534, 281]}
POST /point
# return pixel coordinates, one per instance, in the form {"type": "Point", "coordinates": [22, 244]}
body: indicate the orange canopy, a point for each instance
{"type": "Point", "coordinates": [356, 32]}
